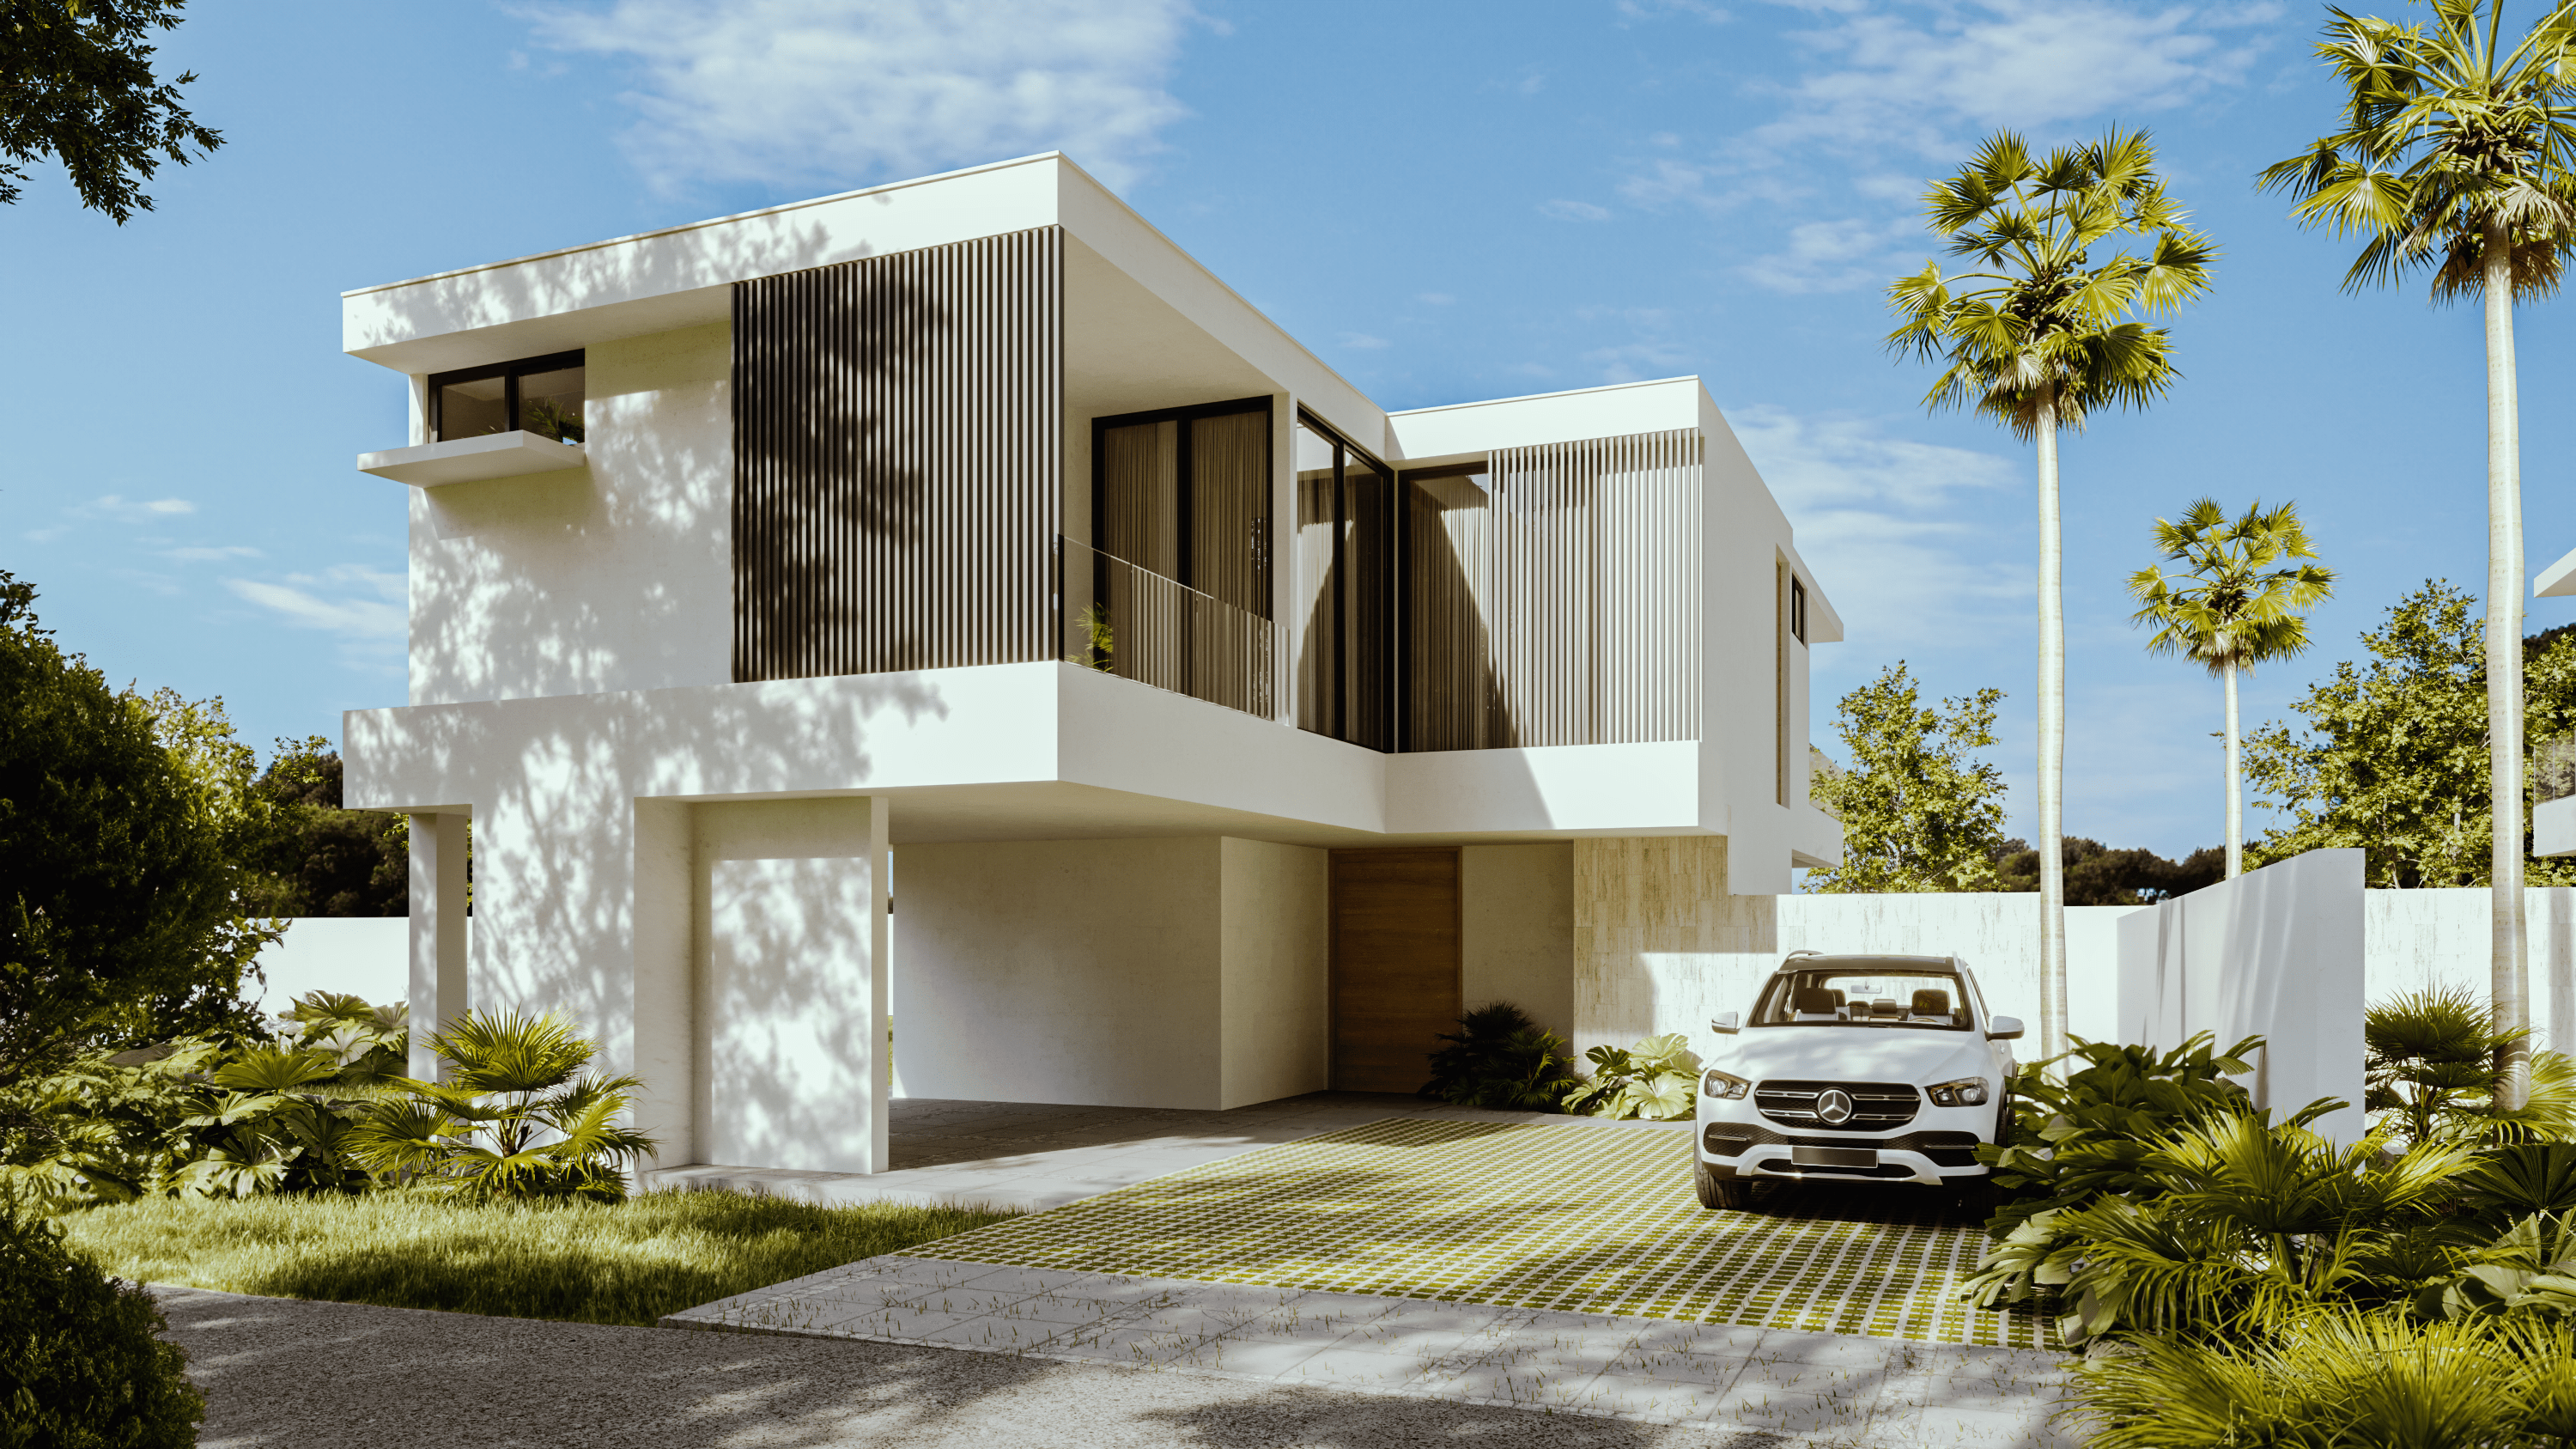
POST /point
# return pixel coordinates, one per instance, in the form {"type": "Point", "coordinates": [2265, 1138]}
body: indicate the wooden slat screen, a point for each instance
{"type": "Point", "coordinates": [1554, 599]}
{"type": "Point", "coordinates": [898, 460]}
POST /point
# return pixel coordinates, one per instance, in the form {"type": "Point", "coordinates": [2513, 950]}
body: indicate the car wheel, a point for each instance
{"type": "Point", "coordinates": [1733, 1193]}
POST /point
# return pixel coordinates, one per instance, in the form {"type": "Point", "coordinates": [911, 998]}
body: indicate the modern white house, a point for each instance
{"type": "Point", "coordinates": [949, 607]}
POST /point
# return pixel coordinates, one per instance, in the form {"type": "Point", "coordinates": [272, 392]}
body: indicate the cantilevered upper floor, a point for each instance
{"type": "Point", "coordinates": [993, 420]}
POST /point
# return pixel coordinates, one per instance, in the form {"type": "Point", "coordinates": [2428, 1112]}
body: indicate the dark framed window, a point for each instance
{"type": "Point", "coordinates": [541, 395]}
{"type": "Point", "coordinates": [1346, 545]}
{"type": "Point", "coordinates": [1797, 609]}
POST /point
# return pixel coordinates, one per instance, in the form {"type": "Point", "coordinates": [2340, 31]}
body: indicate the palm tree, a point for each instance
{"type": "Point", "coordinates": [2236, 603]}
{"type": "Point", "coordinates": [2455, 154]}
{"type": "Point", "coordinates": [2037, 335]}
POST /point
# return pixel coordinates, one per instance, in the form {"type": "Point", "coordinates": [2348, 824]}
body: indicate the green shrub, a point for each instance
{"type": "Point", "coordinates": [2338, 1378]}
{"type": "Point", "coordinates": [202, 1117]}
{"type": "Point", "coordinates": [577, 1260]}
{"type": "Point", "coordinates": [1657, 1079]}
{"type": "Point", "coordinates": [2430, 1072]}
{"type": "Point", "coordinates": [511, 1120]}
{"type": "Point", "coordinates": [2076, 1140]}
{"type": "Point", "coordinates": [1501, 1060]}
{"type": "Point", "coordinates": [81, 1363]}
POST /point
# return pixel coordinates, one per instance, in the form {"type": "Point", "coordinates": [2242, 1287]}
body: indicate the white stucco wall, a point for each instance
{"type": "Point", "coordinates": [1078, 971]}
{"type": "Point", "coordinates": [787, 909]}
{"type": "Point", "coordinates": [1516, 930]}
{"type": "Point", "coordinates": [2424, 938]}
{"type": "Point", "coordinates": [1276, 912]}
{"type": "Point", "coordinates": [613, 576]}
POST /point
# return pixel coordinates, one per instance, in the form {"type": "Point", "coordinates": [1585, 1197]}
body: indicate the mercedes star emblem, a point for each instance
{"type": "Point", "coordinates": [1833, 1108]}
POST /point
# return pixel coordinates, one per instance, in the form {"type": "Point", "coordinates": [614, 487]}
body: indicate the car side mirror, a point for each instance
{"type": "Point", "coordinates": [1728, 1022]}
{"type": "Point", "coordinates": [2004, 1028]}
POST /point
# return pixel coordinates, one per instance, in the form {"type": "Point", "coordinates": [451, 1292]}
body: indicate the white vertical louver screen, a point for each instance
{"type": "Point", "coordinates": [1555, 597]}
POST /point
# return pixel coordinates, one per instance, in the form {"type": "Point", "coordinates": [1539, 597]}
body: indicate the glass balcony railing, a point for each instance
{"type": "Point", "coordinates": [1134, 623]}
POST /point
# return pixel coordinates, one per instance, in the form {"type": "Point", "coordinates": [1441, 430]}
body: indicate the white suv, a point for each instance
{"type": "Point", "coordinates": [1883, 1068]}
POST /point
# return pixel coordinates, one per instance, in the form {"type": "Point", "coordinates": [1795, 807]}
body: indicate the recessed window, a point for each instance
{"type": "Point", "coordinates": [541, 395]}
{"type": "Point", "coordinates": [1797, 609]}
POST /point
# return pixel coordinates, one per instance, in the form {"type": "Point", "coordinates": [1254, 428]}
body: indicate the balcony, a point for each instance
{"type": "Point", "coordinates": [474, 459]}
{"type": "Point", "coordinates": [1120, 619]}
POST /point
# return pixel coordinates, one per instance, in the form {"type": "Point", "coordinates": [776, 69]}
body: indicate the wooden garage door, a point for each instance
{"type": "Point", "coordinates": [1395, 965]}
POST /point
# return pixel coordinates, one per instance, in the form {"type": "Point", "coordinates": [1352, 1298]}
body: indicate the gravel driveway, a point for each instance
{"type": "Point", "coordinates": [292, 1374]}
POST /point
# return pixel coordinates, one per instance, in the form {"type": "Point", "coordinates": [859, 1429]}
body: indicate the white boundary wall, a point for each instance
{"type": "Point", "coordinates": [367, 956]}
{"type": "Point", "coordinates": [2277, 953]}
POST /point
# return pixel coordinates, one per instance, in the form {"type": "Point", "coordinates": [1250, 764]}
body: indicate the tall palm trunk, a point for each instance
{"type": "Point", "coordinates": [2052, 741]}
{"type": "Point", "coordinates": [2509, 987]}
{"type": "Point", "coordinates": [2235, 784]}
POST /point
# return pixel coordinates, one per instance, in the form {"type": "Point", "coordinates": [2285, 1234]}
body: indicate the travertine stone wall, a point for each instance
{"type": "Point", "coordinates": [1649, 907]}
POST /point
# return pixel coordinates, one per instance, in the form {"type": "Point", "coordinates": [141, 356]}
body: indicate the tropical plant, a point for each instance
{"type": "Point", "coordinates": [1657, 1079]}
{"type": "Point", "coordinates": [2430, 1071]}
{"type": "Point", "coordinates": [2457, 153]}
{"type": "Point", "coordinates": [511, 1120]}
{"type": "Point", "coordinates": [2077, 1139]}
{"type": "Point", "coordinates": [1501, 1060]}
{"type": "Point", "coordinates": [2244, 1227]}
{"type": "Point", "coordinates": [1918, 813]}
{"type": "Point", "coordinates": [2237, 601]}
{"type": "Point", "coordinates": [198, 1117]}
{"type": "Point", "coordinates": [550, 419]}
{"type": "Point", "coordinates": [2037, 334]}
{"type": "Point", "coordinates": [2390, 757]}
{"type": "Point", "coordinates": [82, 1361]}
{"type": "Point", "coordinates": [2339, 1377]}
{"type": "Point", "coordinates": [1100, 640]}
{"type": "Point", "coordinates": [85, 94]}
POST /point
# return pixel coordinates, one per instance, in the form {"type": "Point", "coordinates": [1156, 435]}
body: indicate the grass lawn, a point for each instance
{"type": "Point", "coordinates": [629, 1262]}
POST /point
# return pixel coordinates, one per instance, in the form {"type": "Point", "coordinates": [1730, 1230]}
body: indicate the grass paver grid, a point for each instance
{"type": "Point", "coordinates": [1574, 1217]}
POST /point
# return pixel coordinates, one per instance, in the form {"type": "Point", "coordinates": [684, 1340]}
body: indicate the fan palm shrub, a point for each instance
{"type": "Point", "coordinates": [2431, 1072]}
{"type": "Point", "coordinates": [2237, 601]}
{"type": "Point", "coordinates": [1501, 1060]}
{"type": "Point", "coordinates": [2457, 154]}
{"type": "Point", "coordinates": [512, 1120]}
{"type": "Point", "coordinates": [2340, 1377]}
{"type": "Point", "coordinates": [2038, 332]}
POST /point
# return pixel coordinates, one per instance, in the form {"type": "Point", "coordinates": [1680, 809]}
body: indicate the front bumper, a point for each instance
{"type": "Point", "coordinates": [1938, 1147]}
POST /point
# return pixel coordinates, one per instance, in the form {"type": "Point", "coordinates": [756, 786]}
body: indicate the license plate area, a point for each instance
{"type": "Point", "coordinates": [1833, 1157]}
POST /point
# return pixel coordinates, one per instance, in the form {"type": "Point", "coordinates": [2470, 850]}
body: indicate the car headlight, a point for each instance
{"type": "Point", "coordinates": [1965, 1092]}
{"type": "Point", "coordinates": [1715, 1083]}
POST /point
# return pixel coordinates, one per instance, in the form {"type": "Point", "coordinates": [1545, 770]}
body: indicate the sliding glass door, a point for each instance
{"type": "Point", "coordinates": [1345, 589]}
{"type": "Point", "coordinates": [1181, 558]}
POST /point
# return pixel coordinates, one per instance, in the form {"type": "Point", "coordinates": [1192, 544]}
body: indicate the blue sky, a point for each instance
{"type": "Point", "coordinates": [1445, 201]}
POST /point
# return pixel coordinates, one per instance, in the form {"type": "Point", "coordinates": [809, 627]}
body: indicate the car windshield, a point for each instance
{"type": "Point", "coordinates": [1865, 997]}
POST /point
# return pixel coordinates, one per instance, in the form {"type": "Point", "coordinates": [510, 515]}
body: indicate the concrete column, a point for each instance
{"type": "Point", "coordinates": [880, 984]}
{"type": "Point", "coordinates": [438, 979]}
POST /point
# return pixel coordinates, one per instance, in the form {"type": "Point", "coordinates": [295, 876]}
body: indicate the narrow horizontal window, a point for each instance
{"type": "Point", "coordinates": [541, 395]}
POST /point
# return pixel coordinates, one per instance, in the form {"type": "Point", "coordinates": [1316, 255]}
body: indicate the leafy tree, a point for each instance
{"type": "Point", "coordinates": [2458, 154]}
{"type": "Point", "coordinates": [316, 859]}
{"type": "Point", "coordinates": [2392, 757]}
{"type": "Point", "coordinates": [2236, 603]}
{"type": "Point", "coordinates": [76, 83]}
{"type": "Point", "coordinates": [2099, 876]}
{"type": "Point", "coordinates": [82, 1361]}
{"type": "Point", "coordinates": [118, 908]}
{"type": "Point", "coordinates": [2037, 334]}
{"type": "Point", "coordinates": [1918, 813]}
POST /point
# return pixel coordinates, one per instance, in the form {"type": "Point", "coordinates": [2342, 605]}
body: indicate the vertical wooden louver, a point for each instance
{"type": "Point", "coordinates": [898, 458]}
{"type": "Point", "coordinates": [1553, 598]}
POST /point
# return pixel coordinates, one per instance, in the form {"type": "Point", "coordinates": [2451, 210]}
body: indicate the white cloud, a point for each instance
{"type": "Point", "coordinates": [1834, 256]}
{"type": "Point", "coordinates": [1901, 534]}
{"type": "Point", "coordinates": [351, 600]}
{"type": "Point", "coordinates": [132, 510]}
{"type": "Point", "coordinates": [1913, 74]}
{"type": "Point", "coordinates": [815, 93]}
{"type": "Point", "coordinates": [1573, 211]}
{"type": "Point", "coordinates": [1363, 341]}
